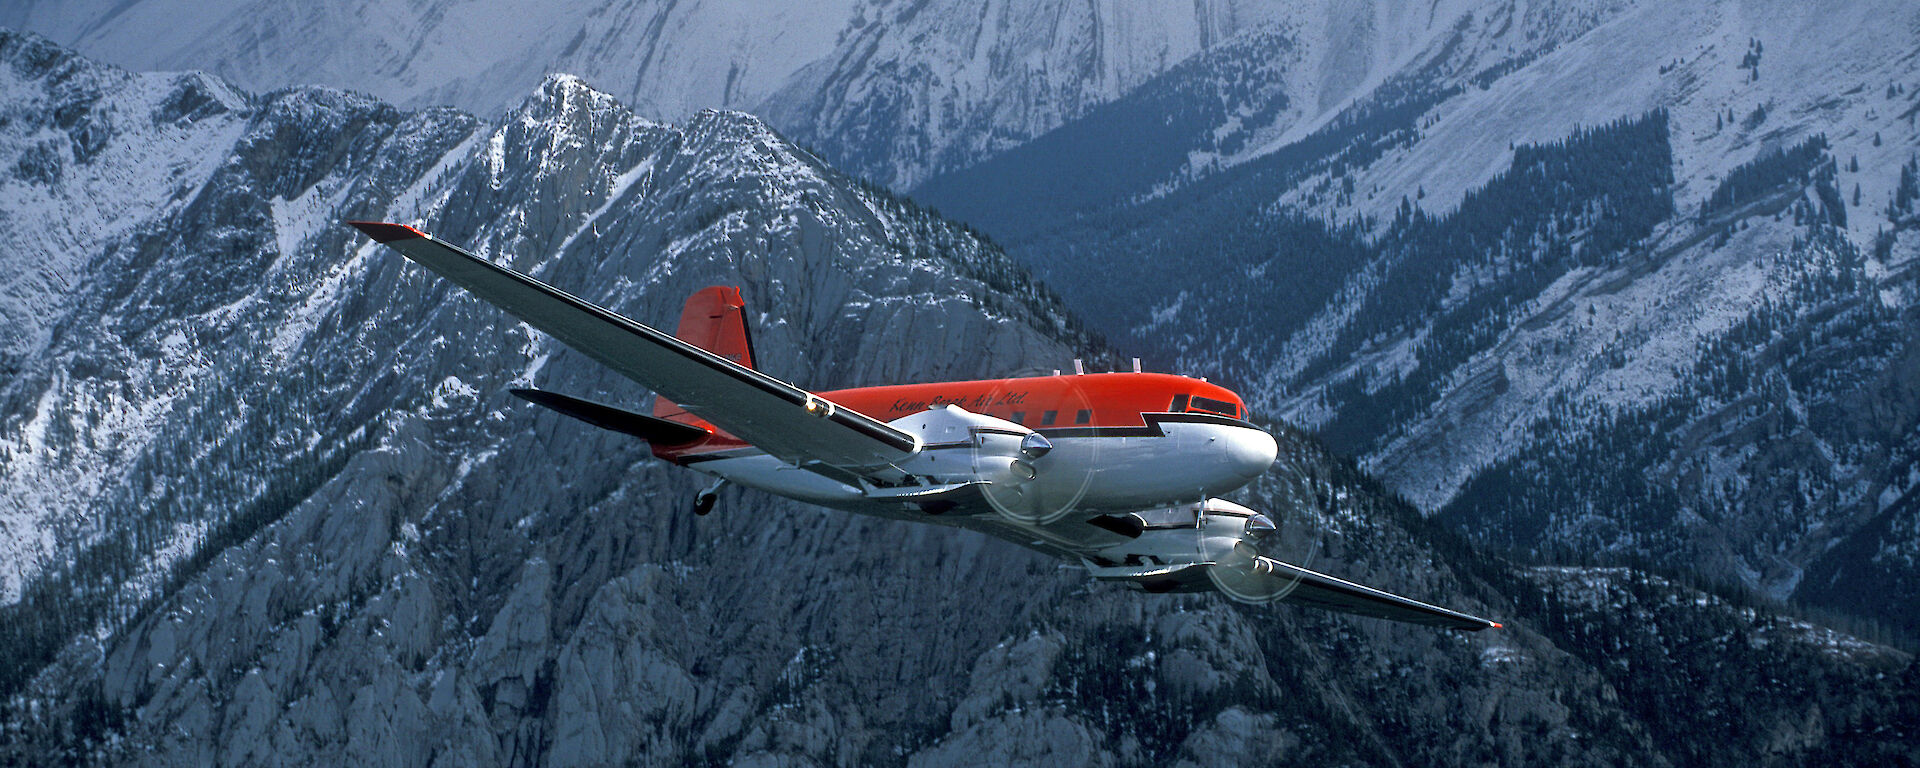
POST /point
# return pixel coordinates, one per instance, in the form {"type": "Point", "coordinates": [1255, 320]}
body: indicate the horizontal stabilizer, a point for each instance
{"type": "Point", "coordinates": [648, 428]}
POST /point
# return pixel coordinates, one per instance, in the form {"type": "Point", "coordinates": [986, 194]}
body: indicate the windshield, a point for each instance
{"type": "Point", "coordinates": [1210, 405]}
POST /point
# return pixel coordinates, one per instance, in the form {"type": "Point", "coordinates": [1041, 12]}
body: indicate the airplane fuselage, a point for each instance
{"type": "Point", "coordinates": [1119, 441]}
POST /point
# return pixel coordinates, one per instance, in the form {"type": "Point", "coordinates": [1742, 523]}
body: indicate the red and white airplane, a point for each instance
{"type": "Point", "coordinates": [1116, 472]}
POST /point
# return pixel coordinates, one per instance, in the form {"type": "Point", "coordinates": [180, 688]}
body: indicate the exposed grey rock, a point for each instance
{"type": "Point", "coordinates": [1019, 737]}
{"type": "Point", "coordinates": [1236, 737]}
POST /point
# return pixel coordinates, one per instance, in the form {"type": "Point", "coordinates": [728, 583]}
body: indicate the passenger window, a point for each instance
{"type": "Point", "coordinates": [1019, 417]}
{"type": "Point", "coordinates": [1083, 417]}
{"type": "Point", "coordinates": [1046, 418]}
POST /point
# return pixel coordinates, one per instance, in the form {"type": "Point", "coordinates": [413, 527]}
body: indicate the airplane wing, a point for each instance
{"type": "Point", "coordinates": [1265, 579]}
{"type": "Point", "coordinates": [1318, 590]}
{"type": "Point", "coordinates": [784, 420]}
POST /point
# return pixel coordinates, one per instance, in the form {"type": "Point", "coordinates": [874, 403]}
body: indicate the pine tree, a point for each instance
{"type": "Point", "coordinates": [1907, 191]}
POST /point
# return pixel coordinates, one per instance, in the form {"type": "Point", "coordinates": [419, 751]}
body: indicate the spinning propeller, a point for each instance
{"type": "Point", "coordinates": [1231, 537]}
{"type": "Point", "coordinates": [1031, 480]}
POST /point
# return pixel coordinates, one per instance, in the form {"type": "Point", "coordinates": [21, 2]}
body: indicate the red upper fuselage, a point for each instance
{"type": "Point", "coordinates": [1048, 404]}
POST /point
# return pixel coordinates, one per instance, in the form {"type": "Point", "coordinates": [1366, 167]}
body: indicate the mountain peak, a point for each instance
{"type": "Point", "coordinates": [735, 127]}
{"type": "Point", "coordinates": [31, 55]}
{"type": "Point", "coordinates": [563, 94]}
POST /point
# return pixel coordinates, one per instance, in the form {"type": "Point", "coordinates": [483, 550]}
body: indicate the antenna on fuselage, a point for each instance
{"type": "Point", "coordinates": [1079, 369]}
{"type": "Point", "coordinates": [1136, 365]}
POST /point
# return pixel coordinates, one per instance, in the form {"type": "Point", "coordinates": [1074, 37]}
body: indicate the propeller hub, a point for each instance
{"type": "Point", "coordinates": [1035, 445]}
{"type": "Point", "coordinates": [1258, 527]}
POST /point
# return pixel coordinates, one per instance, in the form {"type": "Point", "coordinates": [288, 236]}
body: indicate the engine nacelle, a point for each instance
{"type": "Point", "coordinates": [1224, 525]}
{"type": "Point", "coordinates": [1021, 475]}
{"type": "Point", "coordinates": [958, 445]}
{"type": "Point", "coordinates": [1170, 548]}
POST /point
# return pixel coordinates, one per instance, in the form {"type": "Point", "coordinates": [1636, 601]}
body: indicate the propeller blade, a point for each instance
{"type": "Point", "coordinates": [1237, 575]}
{"type": "Point", "coordinates": [1049, 479]}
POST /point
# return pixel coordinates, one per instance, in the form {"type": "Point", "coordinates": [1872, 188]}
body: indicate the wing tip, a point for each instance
{"type": "Point", "coordinates": [382, 232]}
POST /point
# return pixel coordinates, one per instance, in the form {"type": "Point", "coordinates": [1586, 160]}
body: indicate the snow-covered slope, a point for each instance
{"type": "Point", "coordinates": [937, 86]}
{"type": "Point", "coordinates": [1814, 69]}
{"type": "Point", "coordinates": [1738, 81]}
{"type": "Point", "coordinates": [898, 89]}
{"type": "Point", "coordinates": [671, 59]}
{"type": "Point", "coordinates": [91, 154]}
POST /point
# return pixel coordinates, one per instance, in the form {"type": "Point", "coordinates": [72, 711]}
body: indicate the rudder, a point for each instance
{"type": "Point", "coordinates": [715, 319]}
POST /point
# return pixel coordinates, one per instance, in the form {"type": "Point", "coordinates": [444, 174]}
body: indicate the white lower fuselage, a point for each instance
{"type": "Point", "coordinates": [1176, 458]}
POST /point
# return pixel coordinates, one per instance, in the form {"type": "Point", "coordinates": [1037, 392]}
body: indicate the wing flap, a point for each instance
{"type": "Point", "coordinates": [779, 418]}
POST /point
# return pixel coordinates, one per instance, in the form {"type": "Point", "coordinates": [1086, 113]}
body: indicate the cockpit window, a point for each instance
{"type": "Point", "coordinates": [1211, 405]}
{"type": "Point", "coordinates": [1179, 404]}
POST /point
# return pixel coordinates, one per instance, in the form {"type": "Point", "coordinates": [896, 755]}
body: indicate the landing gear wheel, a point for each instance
{"type": "Point", "coordinates": [703, 503]}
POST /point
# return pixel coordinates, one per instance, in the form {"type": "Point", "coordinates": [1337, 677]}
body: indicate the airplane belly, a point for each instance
{"type": "Point", "coordinates": [767, 473]}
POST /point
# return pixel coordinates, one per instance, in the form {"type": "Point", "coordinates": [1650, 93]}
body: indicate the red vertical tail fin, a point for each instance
{"type": "Point", "coordinates": [714, 319]}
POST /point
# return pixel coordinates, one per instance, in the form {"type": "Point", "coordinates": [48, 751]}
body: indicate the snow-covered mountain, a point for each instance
{"type": "Point", "coordinates": [293, 517]}
{"type": "Point", "coordinates": [1548, 228]}
{"type": "Point", "coordinates": [893, 89]}
{"type": "Point", "coordinates": [669, 59]}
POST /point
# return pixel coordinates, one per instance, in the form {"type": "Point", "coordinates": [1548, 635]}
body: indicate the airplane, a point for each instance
{"type": "Point", "coordinates": [1118, 473]}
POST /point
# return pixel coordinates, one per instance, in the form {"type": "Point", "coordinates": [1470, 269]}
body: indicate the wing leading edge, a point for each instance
{"type": "Point", "coordinates": [1283, 582]}
{"type": "Point", "coordinates": [1318, 590]}
{"type": "Point", "coordinates": [1335, 594]}
{"type": "Point", "coordinates": [788, 422]}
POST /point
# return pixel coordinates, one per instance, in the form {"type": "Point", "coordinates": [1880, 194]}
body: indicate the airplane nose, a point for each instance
{"type": "Point", "coordinates": [1251, 452]}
